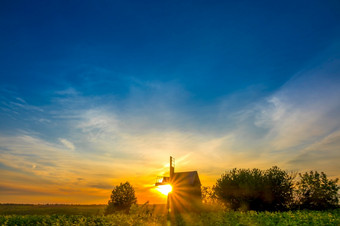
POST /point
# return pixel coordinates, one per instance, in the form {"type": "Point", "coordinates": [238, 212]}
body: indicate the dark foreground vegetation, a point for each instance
{"type": "Point", "coordinates": [273, 190]}
{"type": "Point", "coordinates": [26, 209]}
{"type": "Point", "coordinates": [148, 215]}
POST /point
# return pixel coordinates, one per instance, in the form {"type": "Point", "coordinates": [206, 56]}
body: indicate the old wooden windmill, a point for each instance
{"type": "Point", "coordinates": [184, 189]}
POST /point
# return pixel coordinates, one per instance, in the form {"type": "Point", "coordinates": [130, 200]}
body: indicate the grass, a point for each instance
{"type": "Point", "coordinates": [84, 210]}
{"type": "Point", "coordinates": [262, 218]}
{"type": "Point", "coordinates": [154, 215]}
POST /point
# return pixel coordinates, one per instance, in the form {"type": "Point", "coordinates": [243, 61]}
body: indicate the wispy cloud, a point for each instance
{"type": "Point", "coordinates": [303, 117]}
{"type": "Point", "coordinates": [67, 144]}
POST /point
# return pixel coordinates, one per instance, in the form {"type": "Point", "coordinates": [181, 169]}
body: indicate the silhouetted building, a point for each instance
{"type": "Point", "coordinates": [186, 190]}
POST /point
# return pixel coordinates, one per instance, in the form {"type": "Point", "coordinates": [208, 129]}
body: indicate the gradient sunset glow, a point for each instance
{"type": "Point", "coordinates": [93, 94]}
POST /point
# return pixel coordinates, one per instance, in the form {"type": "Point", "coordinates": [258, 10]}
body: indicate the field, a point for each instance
{"type": "Point", "coordinates": [84, 210]}
{"type": "Point", "coordinates": [154, 215]}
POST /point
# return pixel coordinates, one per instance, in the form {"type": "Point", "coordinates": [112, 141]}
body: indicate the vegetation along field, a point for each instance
{"type": "Point", "coordinates": [152, 215]}
{"type": "Point", "coordinates": [240, 197]}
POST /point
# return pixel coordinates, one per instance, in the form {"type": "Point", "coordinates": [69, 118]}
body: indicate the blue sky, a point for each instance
{"type": "Point", "coordinates": [94, 91]}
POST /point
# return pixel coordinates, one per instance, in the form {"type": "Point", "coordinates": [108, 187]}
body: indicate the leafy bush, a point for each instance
{"type": "Point", "coordinates": [255, 189]}
{"type": "Point", "coordinates": [316, 191]}
{"type": "Point", "coordinates": [122, 197]}
{"type": "Point", "coordinates": [280, 187]}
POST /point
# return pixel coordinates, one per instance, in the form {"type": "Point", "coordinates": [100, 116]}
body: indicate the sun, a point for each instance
{"type": "Point", "coordinates": [164, 189]}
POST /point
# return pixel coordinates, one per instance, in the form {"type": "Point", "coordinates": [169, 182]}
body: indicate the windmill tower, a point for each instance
{"type": "Point", "coordinates": [160, 181]}
{"type": "Point", "coordinates": [172, 167]}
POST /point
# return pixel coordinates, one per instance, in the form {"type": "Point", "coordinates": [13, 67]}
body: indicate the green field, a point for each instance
{"type": "Point", "coordinates": [84, 210]}
{"type": "Point", "coordinates": [154, 215]}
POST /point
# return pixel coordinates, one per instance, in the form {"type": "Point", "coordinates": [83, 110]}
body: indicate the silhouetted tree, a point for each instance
{"type": "Point", "coordinates": [281, 188]}
{"type": "Point", "coordinates": [255, 189]}
{"type": "Point", "coordinates": [316, 191]}
{"type": "Point", "coordinates": [122, 197]}
{"type": "Point", "coordinates": [240, 188]}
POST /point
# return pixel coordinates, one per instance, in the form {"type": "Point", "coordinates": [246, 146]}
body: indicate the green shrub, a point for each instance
{"type": "Point", "coordinates": [122, 197]}
{"type": "Point", "coordinates": [255, 189]}
{"type": "Point", "coordinates": [316, 191]}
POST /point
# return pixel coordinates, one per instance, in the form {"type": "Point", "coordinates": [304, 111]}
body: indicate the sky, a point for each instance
{"type": "Point", "coordinates": [96, 93]}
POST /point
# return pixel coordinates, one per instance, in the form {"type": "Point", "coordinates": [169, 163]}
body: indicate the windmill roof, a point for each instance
{"type": "Point", "coordinates": [190, 177]}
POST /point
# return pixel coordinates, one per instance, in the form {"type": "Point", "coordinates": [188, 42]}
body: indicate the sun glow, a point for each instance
{"type": "Point", "coordinates": [164, 189]}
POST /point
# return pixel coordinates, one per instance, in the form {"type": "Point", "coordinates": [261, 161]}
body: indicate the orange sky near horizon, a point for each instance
{"type": "Point", "coordinates": [33, 190]}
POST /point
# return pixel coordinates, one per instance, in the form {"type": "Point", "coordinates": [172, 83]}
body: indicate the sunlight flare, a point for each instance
{"type": "Point", "coordinates": [164, 189]}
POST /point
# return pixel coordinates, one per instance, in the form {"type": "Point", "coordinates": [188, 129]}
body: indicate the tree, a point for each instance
{"type": "Point", "coordinates": [281, 188]}
{"type": "Point", "coordinates": [316, 191]}
{"type": "Point", "coordinates": [122, 197]}
{"type": "Point", "coordinates": [255, 189]}
{"type": "Point", "coordinates": [240, 188]}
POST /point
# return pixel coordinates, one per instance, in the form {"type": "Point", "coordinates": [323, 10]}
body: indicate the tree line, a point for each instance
{"type": "Point", "coordinates": [273, 189]}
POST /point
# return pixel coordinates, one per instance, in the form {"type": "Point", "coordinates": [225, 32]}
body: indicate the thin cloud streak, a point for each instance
{"type": "Point", "coordinates": [67, 144]}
